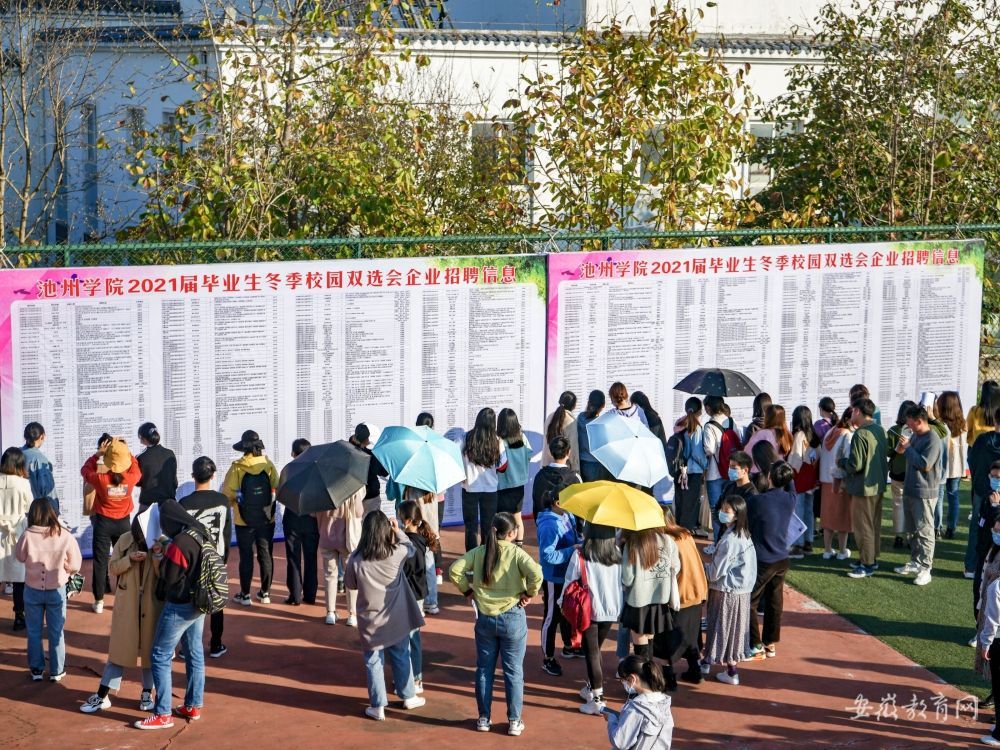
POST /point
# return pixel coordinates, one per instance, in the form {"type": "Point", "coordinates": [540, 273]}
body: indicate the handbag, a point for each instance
{"type": "Point", "coordinates": [576, 604]}
{"type": "Point", "coordinates": [74, 584]}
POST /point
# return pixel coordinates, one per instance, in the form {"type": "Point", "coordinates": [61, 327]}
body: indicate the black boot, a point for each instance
{"type": "Point", "coordinates": [19, 623]}
{"type": "Point", "coordinates": [668, 673]}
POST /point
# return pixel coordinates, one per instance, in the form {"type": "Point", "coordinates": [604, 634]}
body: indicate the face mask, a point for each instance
{"type": "Point", "coordinates": [733, 474]}
{"type": "Point", "coordinates": [629, 690]}
{"type": "Point", "coordinates": [996, 538]}
{"type": "Point", "coordinates": [995, 484]}
{"type": "Point", "coordinates": [725, 517]}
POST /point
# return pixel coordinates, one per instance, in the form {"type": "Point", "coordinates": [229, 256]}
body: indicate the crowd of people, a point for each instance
{"type": "Point", "coordinates": [756, 494]}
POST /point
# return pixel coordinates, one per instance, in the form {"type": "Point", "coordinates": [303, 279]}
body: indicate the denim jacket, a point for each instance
{"type": "Point", "coordinates": [734, 566]}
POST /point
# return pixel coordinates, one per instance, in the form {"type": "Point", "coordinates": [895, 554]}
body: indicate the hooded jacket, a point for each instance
{"type": "Point", "coordinates": [645, 723]}
{"type": "Point", "coordinates": [983, 452]}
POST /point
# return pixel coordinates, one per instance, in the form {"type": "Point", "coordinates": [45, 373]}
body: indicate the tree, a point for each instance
{"type": "Point", "coordinates": [305, 130]}
{"type": "Point", "coordinates": [636, 128]}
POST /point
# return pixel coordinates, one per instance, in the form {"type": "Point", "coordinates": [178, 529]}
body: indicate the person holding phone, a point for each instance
{"type": "Point", "coordinates": [645, 721]}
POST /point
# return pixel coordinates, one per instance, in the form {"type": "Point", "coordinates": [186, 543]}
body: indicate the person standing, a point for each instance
{"type": "Point", "coordinates": [339, 532]}
{"type": "Point", "coordinates": [982, 419]}
{"type": "Point", "coordinates": [897, 473]}
{"type": "Point", "coordinates": [249, 485]}
{"type": "Point", "coordinates": [645, 721]}
{"type": "Point", "coordinates": [623, 406]}
{"type": "Point", "coordinates": [864, 480]}
{"type": "Point", "coordinates": [50, 555]}
{"type": "Point", "coordinates": [387, 610]}
{"type": "Point", "coordinates": [112, 506]}
{"type": "Point", "coordinates": [212, 510]}
{"type": "Point", "coordinates": [687, 485]}
{"type": "Point", "coordinates": [133, 620]}
{"type": "Point", "coordinates": [15, 499]}
{"type": "Point", "coordinates": [40, 471]}
{"type": "Point", "coordinates": [562, 422]}
{"type": "Point", "coordinates": [510, 483]}
{"type": "Point", "coordinates": [301, 546]}
{"type": "Point", "coordinates": [484, 458]}
{"type": "Point", "coordinates": [180, 622]}
{"type": "Point", "coordinates": [860, 390]}
{"type": "Point", "coordinates": [982, 456]}
{"type": "Point", "coordinates": [721, 442]}
{"type": "Point", "coordinates": [362, 440]}
{"type": "Point", "coordinates": [949, 408]}
{"type": "Point", "coordinates": [591, 469]}
{"type": "Point", "coordinates": [557, 542]}
{"type": "Point", "coordinates": [775, 431]}
{"type": "Point", "coordinates": [920, 492]}
{"type": "Point", "coordinates": [599, 562]}
{"type": "Point", "coordinates": [761, 402]}
{"type": "Point", "coordinates": [770, 513]}
{"type": "Point", "coordinates": [556, 475]}
{"type": "Point", "coordinates": [502, 579]}
{"type": "Point", "coordinates": [804, 460]}
{"type": "Point", "coordinates": [423, 539]}
{"type": "Point", "coordinates": [158, 466]}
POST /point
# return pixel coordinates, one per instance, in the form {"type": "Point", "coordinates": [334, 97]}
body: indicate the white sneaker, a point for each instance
{"type": "Point", "coordinates": [729, 679]}
{"type": "Point", "coordinates": [705, 667]}
{"type": "Point", "coordinates": [375, 712]}
{"type": "Point", "coordinates": [969, 574]}
{"type": "Point", "coordinates": [594, 707]}
{"type": "Point", "coordinates": [483, 724]}
{"type": "Point", "coordinates": [586, 693]}
{"type": "Point", "coordinates": [418, 687]}
{"type": "Point", "coordinates": [708, 549]}
{"type": "Point", "coordinates": [415, 702]}
{"type": "Point", "coordinates": [923, 577]}
{"type": "Point", "coordinates": [331, 619]}
{"type": "Point", "coordinates": [95, 703]}
{"type": "Point", "coordinates": [973, 641]}
{"type": "Point", "coordinates": [844, 555]}
{"type": "Point", "coordinates": [515, 728]}
{"type": "Point", "coordinates": [263, 598]}
{"type": "Point", "coordinates": [829, 554]}
{"type": "Point", "coordinates": [8, 589]}
{"type": "Point", "coordinates": [98, 607]}
{"type": "Point", "coordinates": [432, 610]}
{"type": "Point", "coordinates": [243, 599]}
{"type": "Point", "coordinates": [908, 569]}
{"type": "Point", "coordinates": [352, 621]}
{"type": "Point", "coordinates": [989, 741]}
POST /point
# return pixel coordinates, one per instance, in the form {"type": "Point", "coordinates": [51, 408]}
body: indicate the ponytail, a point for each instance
{"type": "Point", "coordinates": [567, 402]}
{"type": "Point", "coordinates": [692, 407]}
{"type": "Point", "coordinates": [503, 524]}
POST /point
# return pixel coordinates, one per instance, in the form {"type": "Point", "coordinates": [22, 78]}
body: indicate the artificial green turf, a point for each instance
{"type": "Point", "coordinates": [930, 624]}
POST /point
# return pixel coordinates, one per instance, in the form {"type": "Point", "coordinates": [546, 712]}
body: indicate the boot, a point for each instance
{"type": "Point", "coordinates": [668, 673]}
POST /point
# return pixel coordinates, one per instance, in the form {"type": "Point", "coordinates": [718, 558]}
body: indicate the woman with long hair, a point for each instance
{"type": "Point", "coordinates": [40, 471]}
{"type": "Point", "coordinates": [562, 422]}
{"type": "Point", "coordinates": [50, 555]}
{"type": "Point", "coordinates": [775, 432]}
{"type": "Point", "coordinates": [485, 458]}
{"type": "Point", "coordinates": [622, 405]}
{"type": "Point", "coordinates": [836, 517]}
{"type": "Point", "coordinates": [804, 460]}
{"type": "Point", "coordinates": [764, 456]}
{"type": "Point", "coordinates": [982, 416]}
{"type": "Point", "coordinates": [502, 579]}
{"type": "Point", "coordinates": [387, 610]}
{"type": "Point", "coordinates": [760, 403]}
{"type": "Point", "coordinates": [15, 499]}
{"type": "Point", "coordinates": [423, 539]}
{"type": "Point", "coordinates": [339, 531]}
{"type": "Point", "coordinates": [511, 483]}
{"type": "Point", "coordinates": [599, 561]}
{"type": "Point", "coordinates": [949, 409]}
{"type": "Point", "coordinates": [687, 485]}
{"type": "Point", "coordinates": [591, 470]}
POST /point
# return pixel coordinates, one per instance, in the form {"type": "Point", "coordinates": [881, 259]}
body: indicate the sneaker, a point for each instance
{"type": "Point", "coordinates": [551, 666]}
{"type": "Point", "coordinates": [769, 651]}
{"type": "Point", "coordinates": [729, 679]}
{"type": "Point", "coordinates": [515, 728]}
{"type": "Point", "coordinates": [98, 606]}
{"type": "Point", "coordinates": [375, 712]}
{"type": "Point", "coordinates": [909, 569]}
{"type": "Point", "coordinates": [844, 554]}
{"type": "Point", "coordinates": [57, 677]}
{"type": "Point", "coordinates": [155, 722]}
{"type": "Point", "coordinates": [483, 724]}
{"type": "Point", "coordinates": [37, 675]}
{"type": "Point", "coordinates": [586, 694]}
{"type": "Point", "coordinates": [807, 548]}
{"type": "Point", "coordinates": [95, 703]}
{"type": "Point", "coordinates": [593, 708]}
{"type": "Point", "coordinates": [440, 579]}
{"type": "Point", "coordinates": [352, 621]}
{"type": "Point", "coordinates": [862, 571]}
{"type": "Point", "coordinates": [191, 713]}
{"type": "Point", "coordinates": [331, 618]}
{"type": "Point", "coordinates": [415, 702]}
{"type": "Point", "coordinates": [708, 549]}
{"type": "Point", "coordinates": [973, 641]}
{"type": "Point", "coordinates": [757, 653]}
{"type": "Point", "coordinates": [829, 554]}
{"type": "Point", "coordinates": [705, 667]}
{"type": "Point", "coordinates": [969, 574]}
{"type": "Point", "coordinates": [263, 598]}
{"type": "Point", "coordinates": [989, 740]}
{"type": "Point", "coordinates": [8, 589]}
{"type": "Point", "coordinates": [19, 623]}
{"type": "Point", "coordinates": [795, 553]}
{"type": "Point", "coordinates": [432, 610]}
{"type": "Point", "coordinates": [289, 601]}
{"type": "Point", "coordinates": [215, 653]}
{"type": "Point", "coordinates": [923, 577]}
{"type": "Point", "coordinates": [243, 599]}
{"type": "Point", "coordinates": [418, 687]}
{"type": "Point", "coordinates": [341, 588]}
{"type": "Point", "coordinates": [146, 700]}
{"type": "Point", "coordinates": [573, 653]}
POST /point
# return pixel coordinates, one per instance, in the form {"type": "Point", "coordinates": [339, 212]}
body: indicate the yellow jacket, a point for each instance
{"type": "Point", "coordinates": [234, 478]}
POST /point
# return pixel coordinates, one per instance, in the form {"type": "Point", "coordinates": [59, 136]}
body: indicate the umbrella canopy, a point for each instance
{"type": "Point", "coordinates": [714, 381]}
{"type": "Point", "coordinates": [323, 477]}
{"type": "Point", "coordinates": [612, 504]}
{"type": "Point", "coordinates": [627, 449]}
{"type": "Point", "coordinates": [419, 457]}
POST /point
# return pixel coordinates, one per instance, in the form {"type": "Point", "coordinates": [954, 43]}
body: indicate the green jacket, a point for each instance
{"type": "Point", "coordinates": [865, 466]}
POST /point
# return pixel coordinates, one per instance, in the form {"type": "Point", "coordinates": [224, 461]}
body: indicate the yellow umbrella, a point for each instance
{"type": "Point", "coordinates": [612, 504]}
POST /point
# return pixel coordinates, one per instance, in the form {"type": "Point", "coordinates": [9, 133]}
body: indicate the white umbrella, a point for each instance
{"type": "Point", "coordinates": [627, 449]}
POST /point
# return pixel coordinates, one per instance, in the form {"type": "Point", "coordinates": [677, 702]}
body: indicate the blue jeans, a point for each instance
{"type": "Point", "coordinates": [402, 673]}
{"type": "Point", "coordinates": [113, 674]}
{"type": "Point", "coordinates": [416, 655]}
{"type": "Point", "coordinates": [949, 491]}
{"type": "Point", "coordinates": [714, 489]}
{"type": "Point", "coordinates": [504, 636]}
{"type": "Point", "coordinates": [50, 606]}
{"type": "Point", "coordinates": [179, 623]}
{"type": "Point", "coordinates": [970, 543]}
{"type": "Point", "coordinates": [804, 510]}
{"type": "Point", "coordinates": [431, 600]}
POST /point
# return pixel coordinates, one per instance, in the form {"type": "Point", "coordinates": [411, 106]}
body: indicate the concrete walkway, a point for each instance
{"type": "Point", "coordinates": [290, 681]}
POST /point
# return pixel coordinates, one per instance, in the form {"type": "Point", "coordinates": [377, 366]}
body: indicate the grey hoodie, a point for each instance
{"type": "Point", "coordinates": [645, 723]}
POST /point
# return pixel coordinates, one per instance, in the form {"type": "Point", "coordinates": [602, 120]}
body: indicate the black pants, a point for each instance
{"type": "Point", "coordinates": [217, 625]}
{"type": "Point", "coordinates": [18, 599]}
{"type": "Point", "coordinates": [688, 502]}
{"type": "Point", "coordinates": [770, 587]}
{"type": "Point", "coordinates": [477, 508]}
{"type": "Point", "coordinates": [107, 531]}
{"type": "Point", "coordinates": [683, 641]}
{"type": "Point", "coordinates": [262, 538]}
{"type": "Point", "coordinates": [593, 637]}
{"type": "Point", "coordinates": [301, 548]}
{"type": "Point", "coordinates": [552, 618]}
{"type": "Point", "coordinates": [995, 681]}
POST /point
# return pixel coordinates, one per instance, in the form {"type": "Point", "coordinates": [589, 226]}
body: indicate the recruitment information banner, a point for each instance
{"type": "Point", "coordinates": [802, 321]}
{"type": "Point", "coordinates": [304, 349]}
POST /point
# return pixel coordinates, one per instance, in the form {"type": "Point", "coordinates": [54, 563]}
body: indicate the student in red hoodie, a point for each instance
{"type": "Point", "coordinates": [112, 505]}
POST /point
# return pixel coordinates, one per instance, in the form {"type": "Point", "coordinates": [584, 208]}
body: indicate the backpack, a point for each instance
{"type": "Point", "coordinates": [210, 583]}
{"type": "Point", "coordinates": [256, 499]}
{"type": "Point", "coordinates": [729, 443]}
{"type": "Point", "coordinates": [674, 452]}
{"type": "Point", "coordinates": [576, 605]}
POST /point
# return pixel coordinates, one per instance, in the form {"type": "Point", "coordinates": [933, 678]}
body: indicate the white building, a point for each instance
{"type": "Point", "coordinates": [483, 48]}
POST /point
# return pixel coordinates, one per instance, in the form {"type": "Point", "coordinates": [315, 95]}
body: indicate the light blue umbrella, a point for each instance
{"type": "Point", "coordinates": [419, 457]}
{"type": "Point", "coordinates": [627, 449]}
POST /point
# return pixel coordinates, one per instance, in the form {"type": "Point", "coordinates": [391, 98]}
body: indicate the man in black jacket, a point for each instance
{"type": "Point", "coordinates": [556, 475]}
{"type": "Point", "coordinates": [301, 545]}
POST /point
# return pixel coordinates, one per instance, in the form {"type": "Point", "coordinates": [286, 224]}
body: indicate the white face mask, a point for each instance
{"type": "Point", "coordinates": [629, 690]}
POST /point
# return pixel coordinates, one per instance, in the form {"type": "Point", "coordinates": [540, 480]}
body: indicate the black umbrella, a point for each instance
{"type": "Point", "coordinates": [714, 381]}
{"type": "Point", "coordinates": [323, 478]}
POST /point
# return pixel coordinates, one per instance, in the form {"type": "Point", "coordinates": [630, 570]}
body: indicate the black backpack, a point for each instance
{"type": "Point", "coordinates": [675, 454]}
{"type": "Point", "coordinates": [210, 583]}
{"type": "Point", "coordinates": [256, 499]}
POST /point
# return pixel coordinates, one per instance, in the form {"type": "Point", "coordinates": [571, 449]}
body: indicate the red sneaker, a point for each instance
{"type": "Point", "coordinates": [155, 722]}
{"type": "Point", "coordinates": [191, 713]}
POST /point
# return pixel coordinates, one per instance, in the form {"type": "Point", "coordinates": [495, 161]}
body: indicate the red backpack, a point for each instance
{"type": "Point", "coordinates": [576, 606]}
{"type": "Point", "coordinates": [729, 443]}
